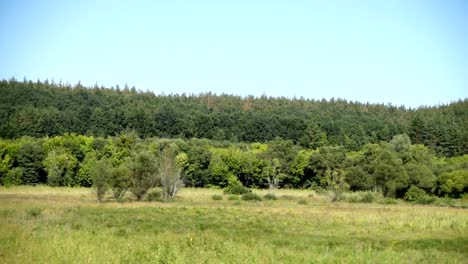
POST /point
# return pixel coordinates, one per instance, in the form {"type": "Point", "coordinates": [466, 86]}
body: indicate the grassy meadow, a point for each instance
{"type": "Point", "coordinates": [65, 225]}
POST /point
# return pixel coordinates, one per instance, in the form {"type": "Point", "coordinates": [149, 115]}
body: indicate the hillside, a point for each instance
{"type": "Point", "coordinates": [46, 109]}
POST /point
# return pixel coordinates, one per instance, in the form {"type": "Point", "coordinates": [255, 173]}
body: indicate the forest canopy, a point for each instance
{"type": "Point", "coordinates": [40, 109]}
{"type": "Point", "coordinates": [58, 134]}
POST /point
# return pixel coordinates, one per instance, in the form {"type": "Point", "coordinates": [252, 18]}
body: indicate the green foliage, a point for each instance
{"type": "Point", "coordinates": [388, 167]}
{"type": "Point", "coordinates": [100, 173]}
{"type": "Point", "coordinates": [313, 137]}
{"type": "Point", "coordinates": [444, 201]}
{"type": "Point", "coordinates": [327, 164]}
{"type": "Point", "coordinates": [13, 177]}
{"type": "Point", "coordinates": [368, 197]}
{"type": "Point", "coordinates": [236, 188]}
{"type": "Point", "coordinates": [155, 196]}
{"type": "Point", "coordinates": [217, 197]}
{"type": "Point", "coordinates": [270, 196]}
{"type": "Point", "coordinates": [389, 201]}
{"type": "Point", "coordinates": [361, 197]}
{"type": "Point", "coordinates": [250, 196]}
{"type": "Point", "coordinates": [29, 157]}
{"type": "Point", "coordinates": [231, 164]}
{"type": "Point", "coordinates": [421, 175]}
{"type": "Point", "coordinates": [454, 183]}
{"type": "Point", "coordinates": [119, 181]}
{"type": "Point", "coordinates": [281, 155]}
{"type": "Point", "coordinates": [169, 173]}
{"type": "Point", "coordinates": [6, 159]}
{"type": "Point", "coordinates": [418, 196]}
{"type": "Point", "coordinates": [300, 167]}
{"type": "Point", "coordinates": [195, 166]}
{"type": "Point", "coordinates": [338, 184]}
{"type": "Point", "coordinates": [358, 178]}
{"type": "Point", "coordinates": [401, 143]}
{"type": "Point", "coordinates": [389, 172]}
{"type": "Point", "coordinates": [143, 172]}
{"type": "Point", "coordinates": [60, 166]}
{"type": "Point", "coordinates": [233, 197]}
{"type": "Point", "coordinates": [272, 173]}
{"type": "Point", "coordinates": [43, 109]}
{"type": "Point", "coordinates": [83, 178]}
{"type": "Point", "coordinates": [302, 202]}
{"type": "Point", "coordinates": [219, 173]}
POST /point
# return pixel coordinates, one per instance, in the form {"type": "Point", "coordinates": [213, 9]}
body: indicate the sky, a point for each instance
{"type": "Point", "coordinates": [403, 52]}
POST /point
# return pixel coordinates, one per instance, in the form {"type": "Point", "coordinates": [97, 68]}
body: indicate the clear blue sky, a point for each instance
{"type": "Point", "coordinates": [411, 52]}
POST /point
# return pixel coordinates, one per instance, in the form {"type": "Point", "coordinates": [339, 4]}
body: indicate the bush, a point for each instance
{"type": "Point", "coordinates": [464, 196]}
{"type": "Point", "coordinates": [270, 196]}
{"type": "Point", "coordinates": [99, 172]}
{"type": "Point", "coordinates": [389, 201]}
{"type": "Point", "coordinates": [119, 181]}
{"type": "Point", "coordinates": [318, 190]}
{"type": "Point", "coordinates": [251, 197]}
{"type": "Point", "coordinates": [217, 197]}
{"type": "Point", "coordinates": [236, 188]}
{"type": "Point", "coordinates": [13, 177]}
{"type": "Point", "coordinates": [367, 197]}
{"type": "Point", "coordinates": [444, 201]}
{"type": "Point", "coordinates": [302, 201]}
{"type": "Point", "coordinates": [353, 199]}
{"type": "Point", "coordinates": [233, 198]}
{"type": "Point", "coordinates": [418, 196]}
{"type": "Point", "coordinates": [337, 197]}
{"type": "Point", "coordinates": [154, 196]}
{"type": "Point", "coordinates": [143, 167]}
{"type": "Point", "coordinates": [287, 197]}
{"type": "Point", "coordinates": [361, 197]}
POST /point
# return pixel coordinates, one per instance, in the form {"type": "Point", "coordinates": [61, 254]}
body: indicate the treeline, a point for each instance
{"type": "Point", "coordinates": [390, 167]}
{"type": "Point", "coordinates": [41, 109]}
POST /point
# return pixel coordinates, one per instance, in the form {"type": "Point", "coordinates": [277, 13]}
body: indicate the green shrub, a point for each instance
{"type": "Point", "coordinates": [217, 197]}
{"type": "Point", "coordinates": [270, 196]}
{"type": "Point", "coordinates": [119, 181]}
{"type": "Point", "coordinates": [353, 198]}
{"type": "Point", "coordinates": [287, 197]}
{"type": "Point", "coordinates": [13, 177]}
{"type": "Point", "coordinates": [418, 196]}
{"type": "Point", "coordinates": [233, 198]}
{"type": "Point", "coordinates": [154, 196]}
{"type": "Point", "coordinates": [361, 197]}
{"type": "Point", "coordinates": [302, 201]}
{"type": "Point", "coordinates": [453, 183]}
{"type": "Point", "coordinates": [337, 197]}
{"type": "Point", "coordinates": [368, 197]}
{"type": "Point", "coordinates": [251, 197]}
{"type": "Point", "coordinates": [236, 188]}
{"type": "Point", "coordinates": [318, 189]}
{"type": "Point", "coordinates": [444, 201]}
{"type": "Point", "coordinates": [99, 172]}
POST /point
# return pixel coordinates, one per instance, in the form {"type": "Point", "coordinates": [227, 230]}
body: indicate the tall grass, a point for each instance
{"type": "Point", "coordinates": [72, 229]}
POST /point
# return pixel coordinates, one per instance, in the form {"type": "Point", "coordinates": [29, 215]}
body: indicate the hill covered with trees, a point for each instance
{"type": "Point", "coordinates": [62, 135]}
{"type": "Point", "coordinates": [46, 108]}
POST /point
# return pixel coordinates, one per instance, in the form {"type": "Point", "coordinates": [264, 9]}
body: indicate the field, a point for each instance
{"type": "Point", "coordinates": [66, 225]}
